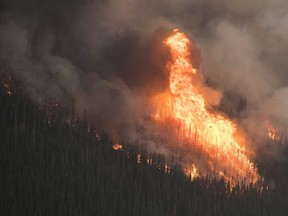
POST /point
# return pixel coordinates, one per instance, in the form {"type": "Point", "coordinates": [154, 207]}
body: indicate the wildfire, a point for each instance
{"type": "Point", "coordinates": [117, 147]}
{"type": "Point", "coordinates": [213, 133]}
{"type": "Point", "coordinates": [192, 172]}
{"type": "Point", "coordinates": [7, 83]}
{"type": "Point", "coordinates": [273, 133]}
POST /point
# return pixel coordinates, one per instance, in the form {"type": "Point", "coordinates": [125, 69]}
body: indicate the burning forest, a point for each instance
{"type": "Point", "coordinates": [212, 134]}
{"type": "Point", "coordinates": [193, 91]}
{"type": "Point", "coordinates": [206, 142]}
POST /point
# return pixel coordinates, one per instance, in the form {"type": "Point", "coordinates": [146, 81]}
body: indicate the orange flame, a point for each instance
{"type": "Point", "coordinates": [192, 172]}
{"type": "Point", "coordinates": [117, 147]}
{"type": "Point", "coordinates": [274, 134]}
{"type": "Point", "coordinates": [214, 133]}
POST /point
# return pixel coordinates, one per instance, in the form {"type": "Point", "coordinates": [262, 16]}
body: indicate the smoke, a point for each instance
{"type": "Point", "coordinates": [108, 55]}
{"type": "Point", "coordinates": [68, 50]}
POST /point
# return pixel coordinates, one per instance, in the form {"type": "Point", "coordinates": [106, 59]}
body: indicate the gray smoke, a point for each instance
{"type": "Point", "coordinates": [108, 55]}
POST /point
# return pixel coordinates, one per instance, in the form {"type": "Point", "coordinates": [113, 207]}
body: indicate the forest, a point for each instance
{"type": "Point", "coordinates": [53, 168]}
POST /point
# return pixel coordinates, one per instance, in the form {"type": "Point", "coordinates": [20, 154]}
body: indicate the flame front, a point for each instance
{"type": "Point", "coordinates": [214, 133]}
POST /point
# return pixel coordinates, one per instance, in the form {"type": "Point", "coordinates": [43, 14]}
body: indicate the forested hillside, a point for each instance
{"type": "Point", "coordinates": [55, 169]}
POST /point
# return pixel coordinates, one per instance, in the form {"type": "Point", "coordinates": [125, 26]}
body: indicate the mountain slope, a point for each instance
{"type": "Point", "coordinates": [55, 169]}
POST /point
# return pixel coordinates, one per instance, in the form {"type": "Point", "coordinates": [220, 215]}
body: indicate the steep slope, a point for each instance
{"type": "Point", "coordinates": [56, 169]}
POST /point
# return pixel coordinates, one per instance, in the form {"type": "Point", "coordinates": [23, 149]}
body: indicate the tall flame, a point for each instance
{"type": "Point", "coordinates": [213, 132]}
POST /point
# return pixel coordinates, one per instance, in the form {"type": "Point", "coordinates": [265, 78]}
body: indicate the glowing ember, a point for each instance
{"type": "Point", "coordinates": [117, 147]}
{"type": "Point", "coordinates": [138, 158]}
{"type": "Point", "coordinates": [274, 133]}
{"type": "Point", "coordinates": [167, 169]}
{"type": "Point", "coordinates": [213, 133]}
{"type": "Point", "coordinates": [97, 135]}
{"type": "Point", "coordinates": [6, 83]}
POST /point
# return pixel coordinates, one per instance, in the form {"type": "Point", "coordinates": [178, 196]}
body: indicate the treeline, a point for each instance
{"type": "Point", "coordinates": [56, 169]}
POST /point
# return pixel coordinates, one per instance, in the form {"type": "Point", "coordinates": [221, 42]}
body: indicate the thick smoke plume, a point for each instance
{"type": "Point", "coordinates": [108, 56]}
